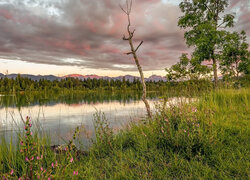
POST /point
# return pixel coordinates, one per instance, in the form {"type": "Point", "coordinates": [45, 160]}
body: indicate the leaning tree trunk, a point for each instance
{"type": "Point", "coordinates": [144, 96]}
{"type": "Point", "coordinates": [133, 52]}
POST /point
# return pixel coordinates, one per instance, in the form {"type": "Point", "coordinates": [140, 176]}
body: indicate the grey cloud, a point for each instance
{"type": "Point", "coordinates": [91, 32]}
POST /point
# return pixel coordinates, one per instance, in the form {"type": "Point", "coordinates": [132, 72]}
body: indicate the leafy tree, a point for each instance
{"type": "Point", "coordinates": [235, 57]}
{"type": "Point", "coordinates": [205, 22]}
{"type": "Point", "coordinates": [187, 69]}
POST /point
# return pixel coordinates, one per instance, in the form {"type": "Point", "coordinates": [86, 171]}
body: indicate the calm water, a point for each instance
{"type": "Point", "coordinates": [58, 115]}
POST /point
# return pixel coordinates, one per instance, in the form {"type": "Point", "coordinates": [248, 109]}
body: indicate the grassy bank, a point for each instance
{"type": "Point", "coordinates": [207, 139]}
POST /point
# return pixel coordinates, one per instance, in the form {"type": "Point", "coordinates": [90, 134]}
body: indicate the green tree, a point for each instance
{"type": "Point", "coordinates": [205, 28]}
{"type": "Point", "coordinates": [235, 57]}
{"type": "Point", "coordinates": [187, 69]}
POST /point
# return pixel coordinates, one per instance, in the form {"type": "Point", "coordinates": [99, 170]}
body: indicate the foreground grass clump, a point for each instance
{"type": "Point", "coordinates": [207, 139]}
{"type": "Point", "coordinates": [33, 158]}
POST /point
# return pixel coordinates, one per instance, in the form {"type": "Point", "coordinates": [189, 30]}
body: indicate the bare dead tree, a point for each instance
{"type": "Point", "coordinates": [133, 51]}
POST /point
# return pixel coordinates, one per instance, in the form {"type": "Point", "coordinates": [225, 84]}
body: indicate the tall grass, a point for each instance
{"type": "Point", "coordinates": [207, 139]}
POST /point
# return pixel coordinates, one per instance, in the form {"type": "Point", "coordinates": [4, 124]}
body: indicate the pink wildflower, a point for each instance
{"type": "Point", "coordinates": [52, 165]}
{"type": "Point", "coordinates": [194, 109]}
{"type": "Point", "coordinates": [11, 172]}
{"type": "Point", "coordinates": [26, 159]}
{"type": "Point", "coordinates": [71, 160]}
{"type": "Point", "coordinates": [75, 173]}
{"type": "Point", "coordinates": [41, 168]}
{"type": "Point", "coordinates": [185, 131]}
{"type": "Point", "coordinates": [162, 130]}
{"type": "Point", "coordinates": [49, 178]}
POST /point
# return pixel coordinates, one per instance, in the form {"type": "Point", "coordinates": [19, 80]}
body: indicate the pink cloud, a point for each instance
{"type": "Point", "coordinates": [110, 49]}
{"type": "Point", "coordinates": [6, 14]}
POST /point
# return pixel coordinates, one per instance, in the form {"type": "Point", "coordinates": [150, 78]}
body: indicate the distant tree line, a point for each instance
{"type": "Point", "coordinates": [67, 85]}
{"type": "Point", "coordinates": [19, 84]}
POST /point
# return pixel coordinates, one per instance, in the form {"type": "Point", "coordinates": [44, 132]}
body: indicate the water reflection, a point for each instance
{"type": "Point", "coordinates": [59, 114]}
{"type": "Point", "coordinates": [24, 100]}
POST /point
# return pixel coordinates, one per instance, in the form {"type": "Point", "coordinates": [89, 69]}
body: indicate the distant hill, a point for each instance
{"type": "Point", "coordinates": [32, 77]}
{"type": "Point", "coordinates": [127, 78]}
{"type": "Point", "coordinates": [156, 78]}
{"type": "Point", "coordinates": [79, 76]}
{"type": "Point", "coordinates": [130, 78]}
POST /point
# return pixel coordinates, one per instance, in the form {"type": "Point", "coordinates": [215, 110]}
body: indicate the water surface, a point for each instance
{"type": "Point", "coordinates": [58, 115]}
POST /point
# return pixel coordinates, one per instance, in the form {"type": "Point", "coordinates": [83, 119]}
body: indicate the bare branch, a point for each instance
{"type": "Point", "coordinates": [221, 24]}
{"type": "Point", "coordinates": [208, 8]}
{"type": "Point", "coordinates": [132, 33]}
{"type": "Point", "coordinates": [123, 9]}
{"type": "Point", "coordinates": [124, 38]}
{"type": "Point", "coordinates": [130, 8]}
{"type": "Point", "coordinates": [128, 53]}
{"type": "Point", "coordinates": [127, 6]}
{"type": "Point", "coordinates": [138, 46]}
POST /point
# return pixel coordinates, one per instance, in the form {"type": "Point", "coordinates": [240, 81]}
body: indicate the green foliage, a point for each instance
{"type": "Point", "coordinates": [204, 22]}
{"type": "Point", "coordinates": [235, 56]}
{"type": "Point", "coordinates": [103, 135]}
{"type": "Point", "coordinates": [187, 69]}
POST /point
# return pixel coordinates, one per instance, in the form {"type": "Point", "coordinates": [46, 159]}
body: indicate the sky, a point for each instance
{"type": "Point", "coordinates": [63, 37]}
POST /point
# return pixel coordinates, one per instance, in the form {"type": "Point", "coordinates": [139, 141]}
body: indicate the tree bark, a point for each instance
{"type": "Point", "coordinates": [144, 96]}
{"type": "Point", "coordinates": [236, 68]}
{"type": "Point", "coordinates": [215, 73]}
{"type": "Point", "coordinates": [133, 52]}
{"type": "Point", "coordinates": [214, 60]}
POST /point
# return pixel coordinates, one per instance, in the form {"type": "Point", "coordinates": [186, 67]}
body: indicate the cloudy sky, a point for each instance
{"type": "Point", "coordinates": [85, 36]}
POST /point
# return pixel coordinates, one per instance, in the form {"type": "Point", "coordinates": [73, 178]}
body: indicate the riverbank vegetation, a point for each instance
{"type": "Point", "coordinates": [205, 139]}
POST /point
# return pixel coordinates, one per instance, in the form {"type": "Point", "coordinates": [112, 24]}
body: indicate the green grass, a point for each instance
{"type": "Point", "coordinates": [208, 139]}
